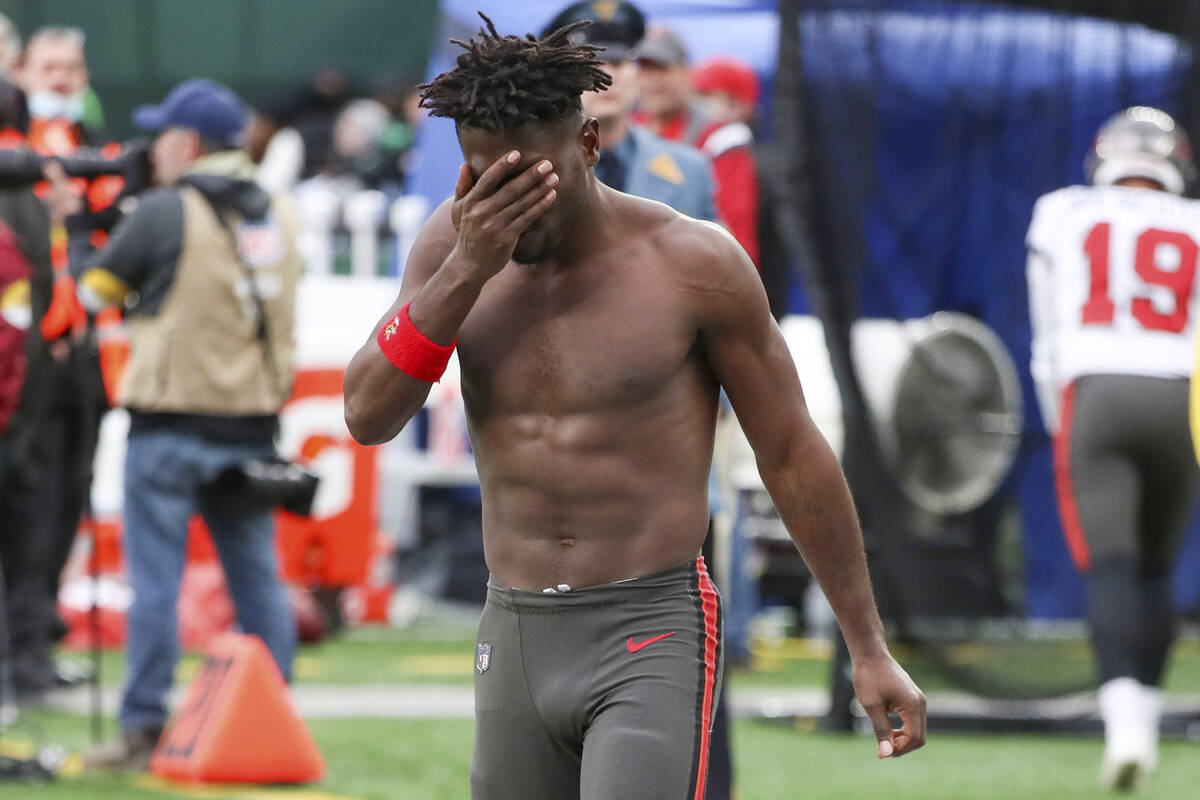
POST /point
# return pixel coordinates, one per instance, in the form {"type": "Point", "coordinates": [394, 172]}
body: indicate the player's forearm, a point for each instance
{"type": "Point", "coordinates": [381, 399]}
{"type": "Point", "coordinates": [814, 503]}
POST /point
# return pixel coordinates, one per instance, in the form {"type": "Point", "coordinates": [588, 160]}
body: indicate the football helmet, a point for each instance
{"type": "Point", "coordinates": [1141, 142]}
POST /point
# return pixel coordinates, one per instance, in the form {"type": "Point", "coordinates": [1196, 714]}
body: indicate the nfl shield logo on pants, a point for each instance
{"type": "Point", "coordinates": [483, 657]}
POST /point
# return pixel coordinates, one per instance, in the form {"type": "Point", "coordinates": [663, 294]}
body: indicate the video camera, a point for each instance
{"type": "Point", "coordinates": [21, 167]}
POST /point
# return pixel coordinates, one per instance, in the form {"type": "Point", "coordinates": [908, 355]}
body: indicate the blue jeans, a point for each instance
{"type": "Point", "coordinates": [164, 470]}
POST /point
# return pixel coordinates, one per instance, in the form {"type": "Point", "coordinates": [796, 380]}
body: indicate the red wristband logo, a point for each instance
{"type": "Point", "coordinates": [411, 351]}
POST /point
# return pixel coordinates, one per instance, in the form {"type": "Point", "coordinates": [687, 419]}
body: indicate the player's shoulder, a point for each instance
{"type": "Point", "coordinates": [1083, 199]}
{"type": "Point", "coordinates": [1064, 195]}
{"type": "Point", "coordinates": [698, 254]}
{"type": "Point", "coordinates": [1061, 200]}
{"type": "Point", "coordinates": [1164, 206]}
{"type": "Point", "coordinates": [669, 227]}
{"type": "Point", "coordinates": [1054, 211]}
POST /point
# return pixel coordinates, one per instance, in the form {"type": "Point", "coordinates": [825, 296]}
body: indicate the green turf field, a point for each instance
{"type": "Point", "coordinates": [428, 760]}
{"type": "Point", "coordinates": [443, 653]}
{"type": "Point", "coordinates": [386, 760]}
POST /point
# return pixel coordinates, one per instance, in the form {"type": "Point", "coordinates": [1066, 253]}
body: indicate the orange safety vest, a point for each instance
{"type": "Point", "coordinates": [66, 315]}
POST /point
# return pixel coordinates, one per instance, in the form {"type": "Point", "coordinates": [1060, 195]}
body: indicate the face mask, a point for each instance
{"type": "Point", "coordinates": [46, 104]}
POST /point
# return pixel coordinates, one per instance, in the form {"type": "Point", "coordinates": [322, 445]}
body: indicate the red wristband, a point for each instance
{"type": "Point", "coordinates": [411, 351]}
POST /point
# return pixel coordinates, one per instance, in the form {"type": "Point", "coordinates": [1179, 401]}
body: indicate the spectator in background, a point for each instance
{"type": "Point", "coordinates": [669, 107]}
{"type": "Point", "coordinates": [25, 281]}
{"type": "Point", "coordinates": [665, 103]}
{"type": "Point", "coordinates": [24, 242]}
{"type": "Point", "coordinates": [261, 127]}
{"type": "Point", "coordinates": [632, 158]}
{"type": "Point", "coordinates": [292, 139]}
{"type": "Point", "coordinates": [728, 91]}
{"type": "Point", "coordinates": [210, 401]}
{"type": "Point", "coordinates": [15, 308]}
{"type": "Point", "coordinates": [275, 147]}
{"type": "Point", "coordinates": [1112, 351]}
{"type": "Point", "coordinates": [66, 396]}
{"type": "Point", "coordinates": [370, 145]}
{"type": "Point", "coordinates": [403, 102]}
{"type": "Point", "coordinates": [355, 163]}
{"type": "Point", "coordinates": [727, 88]}
{"type": "Point", "coordinates": [358, 144]}
{"type": "Point", "coordinates": [53, 72]}
{"type": "Point", "coordinates": [23, 229]}
{"type": "Point", "coordinates": [312, 113]}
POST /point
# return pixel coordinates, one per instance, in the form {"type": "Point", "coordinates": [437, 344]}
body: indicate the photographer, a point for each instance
{"type": "Point", "coordinates": [210, 318]}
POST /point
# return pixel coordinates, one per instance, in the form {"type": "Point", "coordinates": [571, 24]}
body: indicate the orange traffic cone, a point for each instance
{"type": "Point", "coordinates": [237, 724]}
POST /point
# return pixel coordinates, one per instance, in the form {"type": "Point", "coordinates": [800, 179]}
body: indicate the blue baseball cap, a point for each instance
{"type": "Point", "coordinates": [208, 108]}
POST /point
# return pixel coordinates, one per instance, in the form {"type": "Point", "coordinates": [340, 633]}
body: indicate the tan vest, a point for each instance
{"type": "Point", "coordinates": [201, 353]}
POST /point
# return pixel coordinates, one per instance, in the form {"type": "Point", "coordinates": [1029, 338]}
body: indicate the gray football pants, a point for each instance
{"type": "Point", "coordinates": [1127, 481]}
{"type": "Point", "coordinates": [600, 693]}
{"type": "Point", "coordinates": [1125, 469]}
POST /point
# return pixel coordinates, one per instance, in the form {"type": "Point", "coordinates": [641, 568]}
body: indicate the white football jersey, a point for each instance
{"type": "Point", "coordinates": [1112, 286]}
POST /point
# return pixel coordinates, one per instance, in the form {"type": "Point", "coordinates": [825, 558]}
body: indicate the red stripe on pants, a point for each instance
{"type": "Point", "coordinates": [708, 597]}
{"type": "Point", "coordinates": [1068, 510]}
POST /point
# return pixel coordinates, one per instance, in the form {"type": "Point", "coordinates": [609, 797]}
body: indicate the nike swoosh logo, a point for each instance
{"type": "Point", "coordinates": [633, 646]}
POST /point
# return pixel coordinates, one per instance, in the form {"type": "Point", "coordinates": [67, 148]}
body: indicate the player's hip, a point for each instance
{"type": "Point", "coordinates": [566, 655]}
{"type": "Point", "coordinates": [1128, 412]}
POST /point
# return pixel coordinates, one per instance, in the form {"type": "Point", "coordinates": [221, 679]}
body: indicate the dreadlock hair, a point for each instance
{"type": "Point", "coordinates": [503, 82]}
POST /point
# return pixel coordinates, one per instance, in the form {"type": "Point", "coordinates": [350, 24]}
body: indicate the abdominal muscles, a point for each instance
{"type": "Point", "coordinates": [597, 496]}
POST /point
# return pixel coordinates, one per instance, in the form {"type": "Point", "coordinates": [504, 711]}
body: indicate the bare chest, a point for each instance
{"type": "Point", "coordinates": [573, 344]}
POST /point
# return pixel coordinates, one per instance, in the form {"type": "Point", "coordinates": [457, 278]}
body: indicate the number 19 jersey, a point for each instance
{"type": "Point", "coordinates": [1112, 285]}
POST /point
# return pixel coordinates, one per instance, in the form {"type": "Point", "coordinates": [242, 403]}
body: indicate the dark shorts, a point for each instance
{"type": "Point", "coordinates": [597, 693]}
{"type": "Point", "coordinates": [1125, 471]}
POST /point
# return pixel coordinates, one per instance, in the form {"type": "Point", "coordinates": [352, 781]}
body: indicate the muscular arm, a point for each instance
{"type": "Point", "coordinates": [751, 360]}
{"type": "Point", "coordinates": [749, 357]}
{"type": "Point", "coordinates": [465, 242]}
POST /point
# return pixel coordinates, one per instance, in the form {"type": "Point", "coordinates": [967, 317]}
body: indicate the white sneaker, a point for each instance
{"type": "Point", "coordinates": [1131, 714]}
